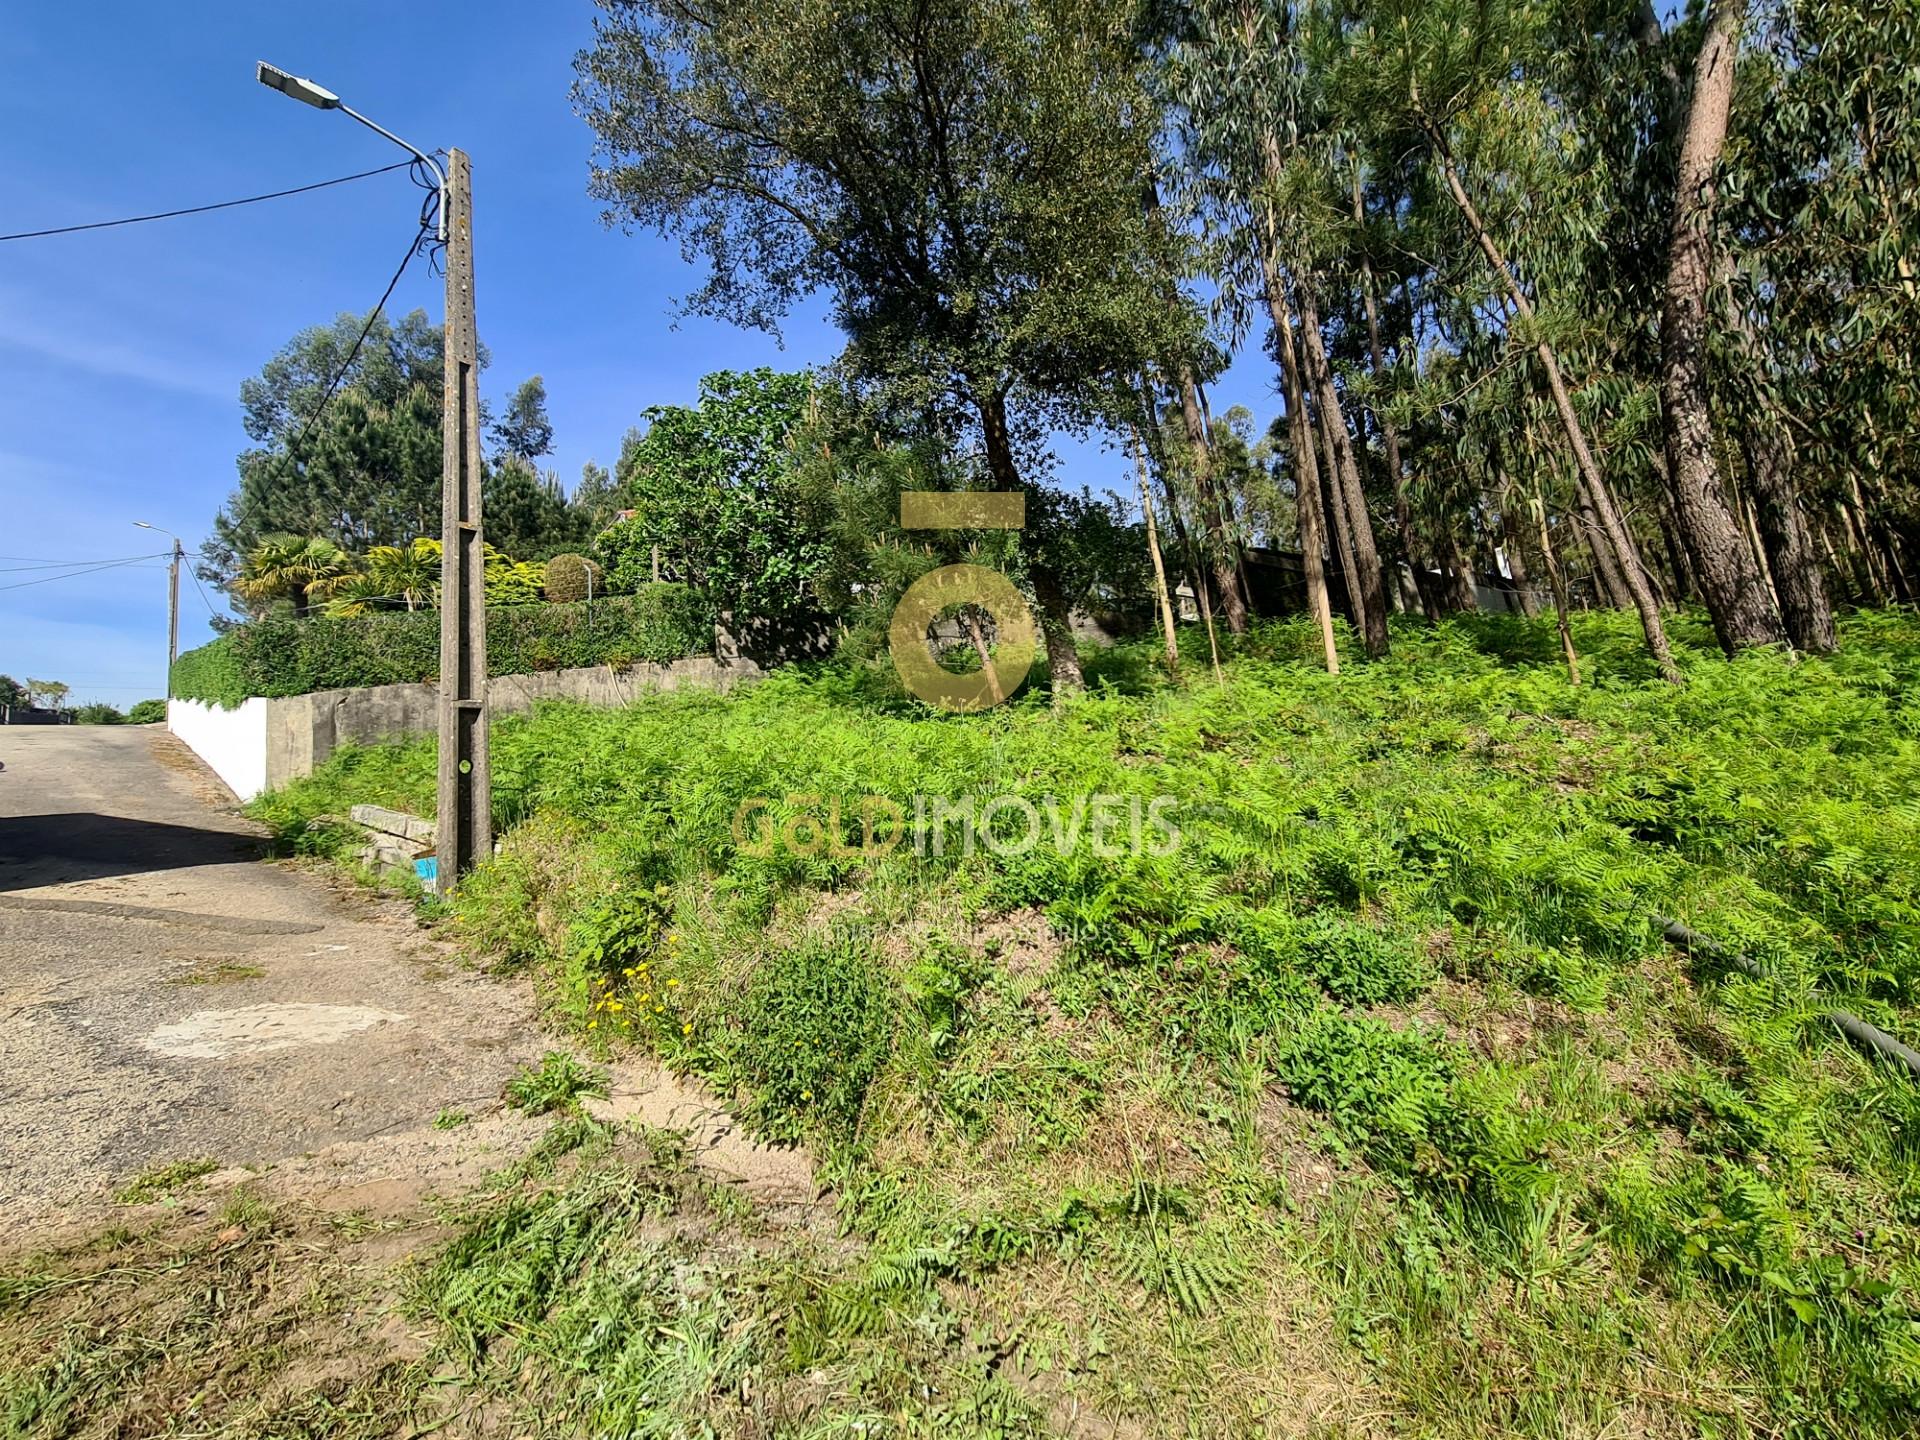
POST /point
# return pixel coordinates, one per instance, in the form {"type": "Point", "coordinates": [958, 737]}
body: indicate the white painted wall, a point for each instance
{"type": "Point", "coordinates": [232, 742]}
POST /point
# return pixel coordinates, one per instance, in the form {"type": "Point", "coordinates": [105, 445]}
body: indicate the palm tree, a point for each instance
{"type": "Point", "coordinates": [285, 567]}
{"type": "Point", "coordinates": [410, 573]}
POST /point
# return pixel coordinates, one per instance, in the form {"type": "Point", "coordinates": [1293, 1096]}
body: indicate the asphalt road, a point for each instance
{"type": "Point", "coordinates": [166, 994]}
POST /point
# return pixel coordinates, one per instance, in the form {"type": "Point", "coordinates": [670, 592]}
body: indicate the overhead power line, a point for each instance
{"type": "Point", "coordinates": [413, 248]}
{"type": "Point", "coordinates": [194, 574]}
{"type": "Point", "coordinates": [66, 564]}
{"type": "Point", "coordinates": [203, 209]}
{"type": "Point", "coordinates": [93, 569]}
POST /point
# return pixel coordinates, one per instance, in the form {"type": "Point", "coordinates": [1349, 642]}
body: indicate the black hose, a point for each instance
{"type": "Point", "coordinates": [1850, 1025]}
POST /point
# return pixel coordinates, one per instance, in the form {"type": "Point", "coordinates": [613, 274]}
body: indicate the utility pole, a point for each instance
{"type": "Point", "coordinates": [465, 825]}
{"type": "Point", "coordinates": [173, 614]}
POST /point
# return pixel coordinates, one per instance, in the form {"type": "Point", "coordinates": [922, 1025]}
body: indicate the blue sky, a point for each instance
{"type": "Point", "coordinates": [122, 351]}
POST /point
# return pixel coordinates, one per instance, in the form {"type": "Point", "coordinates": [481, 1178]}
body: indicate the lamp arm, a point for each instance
{"type": "Point", "coordinates": [439, 175]}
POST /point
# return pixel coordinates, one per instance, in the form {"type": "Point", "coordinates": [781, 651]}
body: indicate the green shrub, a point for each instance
{"type": "Point", "coordinates": [295, 655]}
{"type": "Point", "coordinates": [627, 553]}
{"type": "Point", "coordinates": [571, 578]}
{"type": "Point", "coordinates": [816, 1031]}
{"type": "Point", "coordinates": [214, 673]}
{"type": "Point", "coordinates": [147, 712]}
{"type": "Point", "coordinates": [98, 713]}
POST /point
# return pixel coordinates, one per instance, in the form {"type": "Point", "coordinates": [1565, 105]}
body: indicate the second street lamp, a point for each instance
{"type": "Point", "coordinates": [463, 827]}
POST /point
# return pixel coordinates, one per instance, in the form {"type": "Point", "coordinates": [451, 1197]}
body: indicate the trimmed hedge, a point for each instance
{"type": "Point", "coordinates": [293, 656]}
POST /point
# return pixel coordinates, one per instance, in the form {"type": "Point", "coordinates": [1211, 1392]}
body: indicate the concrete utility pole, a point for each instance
{"type": "Point", "coordinates": [173, 614]}
{"type": "Point", "coordinates": [464, 830]}
{"type": "Point", "coordinates": [173, 599]}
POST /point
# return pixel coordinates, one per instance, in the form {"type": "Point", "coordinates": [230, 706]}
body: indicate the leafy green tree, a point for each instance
{"type": "Point", "coordinates": [524, 431]}
{"type": "Point", "coordinates": [48, 694]}
{"type": "Point", "coordinates": [364, 471]}
{"type": "Point", "coordinates": [714, 485]}
{"type": "Point", "coordinates": [404, 574]}
{"type": "Point", "coordinates": [397, 357]}
{"type": "Point", "coordinates": [368, 474]}
{"type": "Point", "coordinates": [964, 177]}
{"type": "Point", "coordinates": [98, 712]}
{"type": "Point", "coordinates": [1821, 238]}
{"type": "Point", "coordinates": [12, 692]}
{"type": "Point", "coordinates": [147, 712]}
{"type": "Point", "coordinates": [595, 499]}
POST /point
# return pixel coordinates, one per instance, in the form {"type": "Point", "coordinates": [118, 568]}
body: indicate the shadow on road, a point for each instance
{"type": "Point", "coordinates": [55, 849]}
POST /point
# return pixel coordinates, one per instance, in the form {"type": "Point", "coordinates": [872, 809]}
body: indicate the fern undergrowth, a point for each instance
{"type": "Point", "coordinates": [1381, 1082]}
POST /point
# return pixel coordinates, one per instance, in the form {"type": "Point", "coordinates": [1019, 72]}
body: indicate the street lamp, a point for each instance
{"type": "Point", "coordinates": [173, 600]}
{"type": "Point", "coordinates": [464, 824]}
{"type": "Point", "coordinates": [307, 93]}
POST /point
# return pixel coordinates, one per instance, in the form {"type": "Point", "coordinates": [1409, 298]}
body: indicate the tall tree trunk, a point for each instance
{"type": "Point", "coordinates": [1783, 531]}
{"type": "Point", "coordinates": [1866, 556]}
{"type": "Point", "coordinates": [1306, 468]}
{"type": "Point", "coordinates": [1410, 549]}
{"type": "Point", "coordinates": [1056, 626]}
{"type": "Point", "coordinates": [1515, 550]}
{"type": "Point", "coordinates": [1196, 572]}
{"type": "Point", "coordinates": [977, 634]}
{"type": "Point", "coordinates": [1743, 511]}
{"type": "Point", "coordinates": [1224, 557]}
{"type": "Point", "coordinates": [1366, 554]}
{"type": "Point", "coordinates": [1221, 557]}
{"type": "Point", "coordinates": [1730, 581]}
{"type": "Point", "coordinates": [1592, 482]}
{"type": "Point", "coordinates": [1607, 581]}
{"type": "Point", "coordinates": [1338, 535]}
{"type": "Point", "coordinates": [1683, 586]}
{"type": "Point", "coordinates": [1159, 568]}
{"type": "Point", "coordinates": [1558, 583]}
{"type": "Point", "coordinates": [1881, 544]}
{"type": "Point", "coordinates": [1457, 582]}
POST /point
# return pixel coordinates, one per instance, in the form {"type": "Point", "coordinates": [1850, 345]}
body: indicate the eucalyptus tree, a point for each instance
{"type": "Point", "coordinates": [1821, 234]}
{"type": "Point", "coordinates": [1424, 73]}
{"type": "Point", "coordinates": [1743, 611]}
{"type": "Point", "coordinates": [962, 177]}
{"type": "Point", "coordinates": [1257, 168]}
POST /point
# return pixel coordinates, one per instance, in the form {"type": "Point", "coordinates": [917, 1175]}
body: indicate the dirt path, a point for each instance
{"type": "Point", "coordinates": [166, 995]}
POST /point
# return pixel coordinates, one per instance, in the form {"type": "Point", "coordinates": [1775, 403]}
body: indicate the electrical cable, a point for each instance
{"type": "Point", "coordinates": [425, 241]}
{"type": "Point", "coordinates": [413, 248]}
{"type": "Point", "coordinates": [69, 564]}
{"type": "Point", "coordinates": [203, 209]}
{"type": "Point", "coordinates": [89, 570]}
{"type": "Point", "coordinates": [195, 577]}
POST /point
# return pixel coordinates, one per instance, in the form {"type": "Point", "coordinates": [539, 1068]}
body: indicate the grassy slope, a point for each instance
{"type": "Point", "coordinates": [1378, 1105]}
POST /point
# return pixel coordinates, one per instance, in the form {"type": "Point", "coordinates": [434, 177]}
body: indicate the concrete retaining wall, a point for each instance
{"type": "Point", "coordinates": [269, 742]}
{"type": "Point", "coordinates": [232, 742]}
